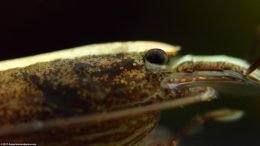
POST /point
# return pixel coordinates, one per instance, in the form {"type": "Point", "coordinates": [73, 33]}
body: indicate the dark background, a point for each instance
{"type": "Point", "coordinates": [200, 26]}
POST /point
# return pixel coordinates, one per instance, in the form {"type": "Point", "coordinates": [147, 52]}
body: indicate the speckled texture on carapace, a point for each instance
{"type": "Point", "coordinates": [90, 82]}
{"type": "Point", "coordinates": [81, 86]}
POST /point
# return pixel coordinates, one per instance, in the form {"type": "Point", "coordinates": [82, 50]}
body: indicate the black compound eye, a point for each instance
{"type": "Point", "coordinates": [156, 56]}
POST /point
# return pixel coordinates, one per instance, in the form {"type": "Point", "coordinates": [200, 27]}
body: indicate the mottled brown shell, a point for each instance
{"type": "Point", "coordinates": [74, 86]}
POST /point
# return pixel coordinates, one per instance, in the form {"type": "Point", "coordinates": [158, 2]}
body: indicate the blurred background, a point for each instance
{"type": "Point", "coordinates": [199, 26]}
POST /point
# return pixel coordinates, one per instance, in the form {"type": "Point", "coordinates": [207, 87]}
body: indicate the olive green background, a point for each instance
{"type": "Point", "coordinates": [199, 26]}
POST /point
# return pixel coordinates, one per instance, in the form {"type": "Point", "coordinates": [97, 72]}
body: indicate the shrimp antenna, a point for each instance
{"type": "Point", "coordinates": [208, 95]}
{"type": "Point", "coordinates": [253, 67]}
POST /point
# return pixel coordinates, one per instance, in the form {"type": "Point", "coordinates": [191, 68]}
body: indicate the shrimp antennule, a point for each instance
{"type": "Point", "coordinates": [253, 67]}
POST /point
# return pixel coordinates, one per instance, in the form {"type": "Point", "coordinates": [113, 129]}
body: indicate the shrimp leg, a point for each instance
{"type": "Point", "coordinates": [219, 115]}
